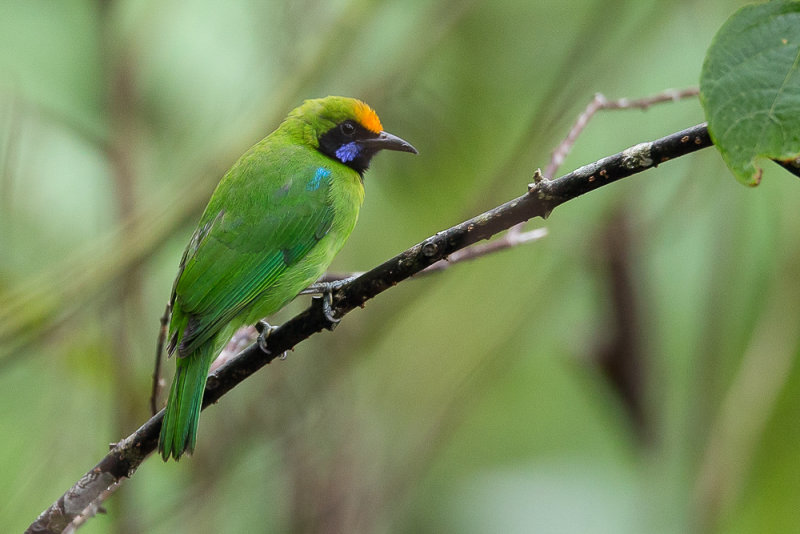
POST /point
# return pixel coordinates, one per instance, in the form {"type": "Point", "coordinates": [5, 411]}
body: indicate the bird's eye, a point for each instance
{"type": "Point", "coordinates": [348, 129]}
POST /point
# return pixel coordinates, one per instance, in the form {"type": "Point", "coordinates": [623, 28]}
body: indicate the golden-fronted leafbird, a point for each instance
{"type": "Point", "coordinates": [272, 227]}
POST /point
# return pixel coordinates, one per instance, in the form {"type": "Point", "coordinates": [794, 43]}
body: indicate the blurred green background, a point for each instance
{"type": "Point", "coordinates": [632, 372]}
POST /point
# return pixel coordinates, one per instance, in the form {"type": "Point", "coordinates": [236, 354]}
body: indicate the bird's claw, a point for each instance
{"type": "Point", "coordinates": [327, 310]}
{"type": "Point", "coordinates": [264, 331]}
{"type": "Point", "coordinates": [325, 302]}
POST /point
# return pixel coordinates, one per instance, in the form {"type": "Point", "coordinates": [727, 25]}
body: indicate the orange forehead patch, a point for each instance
{"type": "Point", "coordinates": [368, 118]}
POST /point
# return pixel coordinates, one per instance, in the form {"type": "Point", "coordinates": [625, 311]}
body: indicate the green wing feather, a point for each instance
{"type": "Point", "coordinates": [232, 266]}
{"type": "Point", "coordinates": [241, 249]}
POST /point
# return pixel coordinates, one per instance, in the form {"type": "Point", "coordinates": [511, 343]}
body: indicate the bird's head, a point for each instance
{"type": "Point", "coordinates": [346, 130]}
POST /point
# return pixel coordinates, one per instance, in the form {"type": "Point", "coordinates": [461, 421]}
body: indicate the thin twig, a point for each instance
{"type": "Point", "coordinates": [238, 342]}
{"type": "Point", "coordinates": [596, 104]}
{"type": "Point", "coordinates": [162, 338]}
{"type": "Point", "coordinates": [508, 240]}
{"type": "Point", "coordinates": [92, 510]}
{"type": "Point", "coordinates": [601, 102]}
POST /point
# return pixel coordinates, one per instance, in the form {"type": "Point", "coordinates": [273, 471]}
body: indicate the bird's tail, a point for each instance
{"type": "Point", "coordinates": [179, 427]}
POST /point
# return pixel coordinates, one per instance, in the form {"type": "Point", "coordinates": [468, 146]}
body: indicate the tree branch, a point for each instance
{"type": "Point", "coordinates": [542, 197]}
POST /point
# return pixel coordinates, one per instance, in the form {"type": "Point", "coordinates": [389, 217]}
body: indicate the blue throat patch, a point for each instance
{"type": "Point", "coordinates": [348, 152]}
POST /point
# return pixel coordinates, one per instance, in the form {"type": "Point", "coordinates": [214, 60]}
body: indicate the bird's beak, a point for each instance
{"type": "Point", "coordinates": [387, 141]}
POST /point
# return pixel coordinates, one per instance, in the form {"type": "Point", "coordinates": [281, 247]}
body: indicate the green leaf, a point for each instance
{"type": "Point", "coordinates": [750, 87]}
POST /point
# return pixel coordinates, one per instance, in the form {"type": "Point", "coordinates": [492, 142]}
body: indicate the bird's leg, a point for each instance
{"type": "Point", "coordinates": [322, 288]}
{"type": "Point", "coordinates": [264, 331]}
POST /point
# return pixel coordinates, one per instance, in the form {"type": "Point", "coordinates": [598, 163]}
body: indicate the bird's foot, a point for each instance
{"type": "Point", "coordinates": [264, 331]}
{"type": "Point", "coordinates": [326, 289]}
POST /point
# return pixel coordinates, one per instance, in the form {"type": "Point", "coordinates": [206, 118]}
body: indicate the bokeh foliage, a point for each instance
{"type": "Point", "coordinates": [480, 399]}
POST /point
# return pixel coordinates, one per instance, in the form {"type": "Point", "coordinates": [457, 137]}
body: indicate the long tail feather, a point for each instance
{"type": "Point", "coordinates": [179, 428]}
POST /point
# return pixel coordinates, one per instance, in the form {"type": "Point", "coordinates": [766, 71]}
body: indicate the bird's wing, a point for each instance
{"type": "Point", "coordinates": [241, 252]}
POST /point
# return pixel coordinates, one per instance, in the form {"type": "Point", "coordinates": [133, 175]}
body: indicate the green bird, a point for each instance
{"type": "Point", "coordinates": [271, 228]}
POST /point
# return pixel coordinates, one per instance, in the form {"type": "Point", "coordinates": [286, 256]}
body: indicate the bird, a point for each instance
{"type": "Point", "coordinates": [271, 228]}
